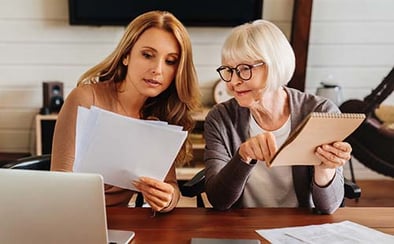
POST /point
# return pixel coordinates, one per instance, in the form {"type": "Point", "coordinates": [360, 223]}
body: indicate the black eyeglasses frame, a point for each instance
{"type": "Point", "coordinates": [237, 71]}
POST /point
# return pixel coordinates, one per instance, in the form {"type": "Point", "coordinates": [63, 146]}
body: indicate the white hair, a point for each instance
{"type": "Point", "coordinates": [261, 40]}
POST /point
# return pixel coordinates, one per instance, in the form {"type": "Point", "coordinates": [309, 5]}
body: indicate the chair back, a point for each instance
{"type": "Point", "coordinates": [196, 186]}
{"type": "Point", "coordinates": [41, 162]}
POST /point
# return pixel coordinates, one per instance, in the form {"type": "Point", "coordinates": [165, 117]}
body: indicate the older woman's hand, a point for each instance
{"type": "Point", "coordinates": [157, 194]}
{"type": "Point", "coordinates": [332, 156]}
{"type": "Point", "coordinates": [261, 147]}
{"type": "Point", "coordinates": [335, 155]}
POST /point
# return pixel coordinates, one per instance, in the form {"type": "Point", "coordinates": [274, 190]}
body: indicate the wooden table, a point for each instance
{"type": "Point", "coordinates": [182, 224]}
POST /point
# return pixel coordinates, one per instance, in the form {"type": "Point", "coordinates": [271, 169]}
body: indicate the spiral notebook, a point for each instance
{"type": "Point", "coordinates": [316, 129]}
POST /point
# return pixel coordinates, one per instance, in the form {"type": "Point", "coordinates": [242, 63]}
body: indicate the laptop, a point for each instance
{"type": "Point", "coordinates": [54, 207]}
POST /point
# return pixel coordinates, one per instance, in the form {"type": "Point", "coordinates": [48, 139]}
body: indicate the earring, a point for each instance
{"type": "Point", "coordinates": [125, 61]}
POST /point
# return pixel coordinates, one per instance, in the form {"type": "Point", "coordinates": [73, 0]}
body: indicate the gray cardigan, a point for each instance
{"type": "Point", "coordinates": [227, 126]}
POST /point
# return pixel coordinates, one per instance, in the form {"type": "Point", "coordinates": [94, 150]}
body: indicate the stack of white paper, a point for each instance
{"type": "Point", "coordinates": [343, 232]}
{"type": "Point", "coordinates": [123, 149]}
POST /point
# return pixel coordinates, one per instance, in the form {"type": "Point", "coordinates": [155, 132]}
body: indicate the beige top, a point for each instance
{"type": "Point", "coordinates": [102, 95]}
{"type": "Point", "coordinates": [270, 187]}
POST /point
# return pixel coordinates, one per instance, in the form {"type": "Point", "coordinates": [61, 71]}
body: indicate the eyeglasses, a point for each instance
{"type": "Point", "coordinates": [243, 71]}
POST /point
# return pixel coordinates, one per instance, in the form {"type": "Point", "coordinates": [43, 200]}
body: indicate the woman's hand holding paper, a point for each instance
{"type": "Point", "coordinates": [157, 194]}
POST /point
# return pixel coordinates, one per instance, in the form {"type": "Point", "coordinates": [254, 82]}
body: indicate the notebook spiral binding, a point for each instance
{"type": "Point", "coordinates": [337, 115]}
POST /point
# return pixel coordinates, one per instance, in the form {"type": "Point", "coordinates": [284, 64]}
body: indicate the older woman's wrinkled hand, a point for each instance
{"type": "Point", "coordinates": [260, 147]}
{"type": "Point", "coordinates": [331, 157]}
{"type": "Point", "coordinates": [334, 155]}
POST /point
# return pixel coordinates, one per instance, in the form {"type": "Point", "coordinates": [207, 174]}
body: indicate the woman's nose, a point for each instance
{"type": "Point", "coordinates": [157, 68]}
{"type": "Point", "coordinates": [235, 79]}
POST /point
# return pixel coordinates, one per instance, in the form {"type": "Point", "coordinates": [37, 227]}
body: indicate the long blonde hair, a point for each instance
{"type": "Point", "coordinates": [182, 97]}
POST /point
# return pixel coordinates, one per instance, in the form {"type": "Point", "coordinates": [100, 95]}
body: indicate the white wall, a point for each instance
{"type": "Point", "coordinates": [352, 40]}
{"type": "Point", "coordinates": [37, 44]}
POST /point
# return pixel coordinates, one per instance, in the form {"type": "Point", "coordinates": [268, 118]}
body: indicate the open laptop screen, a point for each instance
{"type": "Point", "coordinates": [52, 207]}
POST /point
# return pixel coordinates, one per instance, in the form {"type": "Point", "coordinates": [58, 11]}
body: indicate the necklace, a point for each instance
{"type": "Point", "coordinates": [127, 112]}
{"type": "Point", "coordinates": [123, 108]}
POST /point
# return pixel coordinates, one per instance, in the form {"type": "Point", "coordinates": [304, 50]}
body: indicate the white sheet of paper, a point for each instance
{"type": "Point", "coordinates": [80, 136]}
{"type": "Point", "coordinates": [343, 232]}
{"type": "Point", "coordinates": [123, 149]}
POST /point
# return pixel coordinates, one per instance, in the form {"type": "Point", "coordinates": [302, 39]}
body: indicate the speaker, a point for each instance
{"type": "Point", "coordinates": [46, 136]}
{"type": "Point", "coordinates": [52, 97]}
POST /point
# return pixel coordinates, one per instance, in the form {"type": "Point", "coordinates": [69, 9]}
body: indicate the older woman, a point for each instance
{"type": "Point", "coordinates": [257, 63]}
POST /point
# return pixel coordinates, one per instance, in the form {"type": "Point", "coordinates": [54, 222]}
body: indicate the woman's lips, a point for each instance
{"type": "Point", "coordinates": [241, 93]}
{"type": "Point", "coordinates": [151, 82]}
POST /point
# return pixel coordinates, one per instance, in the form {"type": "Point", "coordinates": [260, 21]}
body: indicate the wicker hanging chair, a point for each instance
{"type": "Point", "coordinates": [373, 141]}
